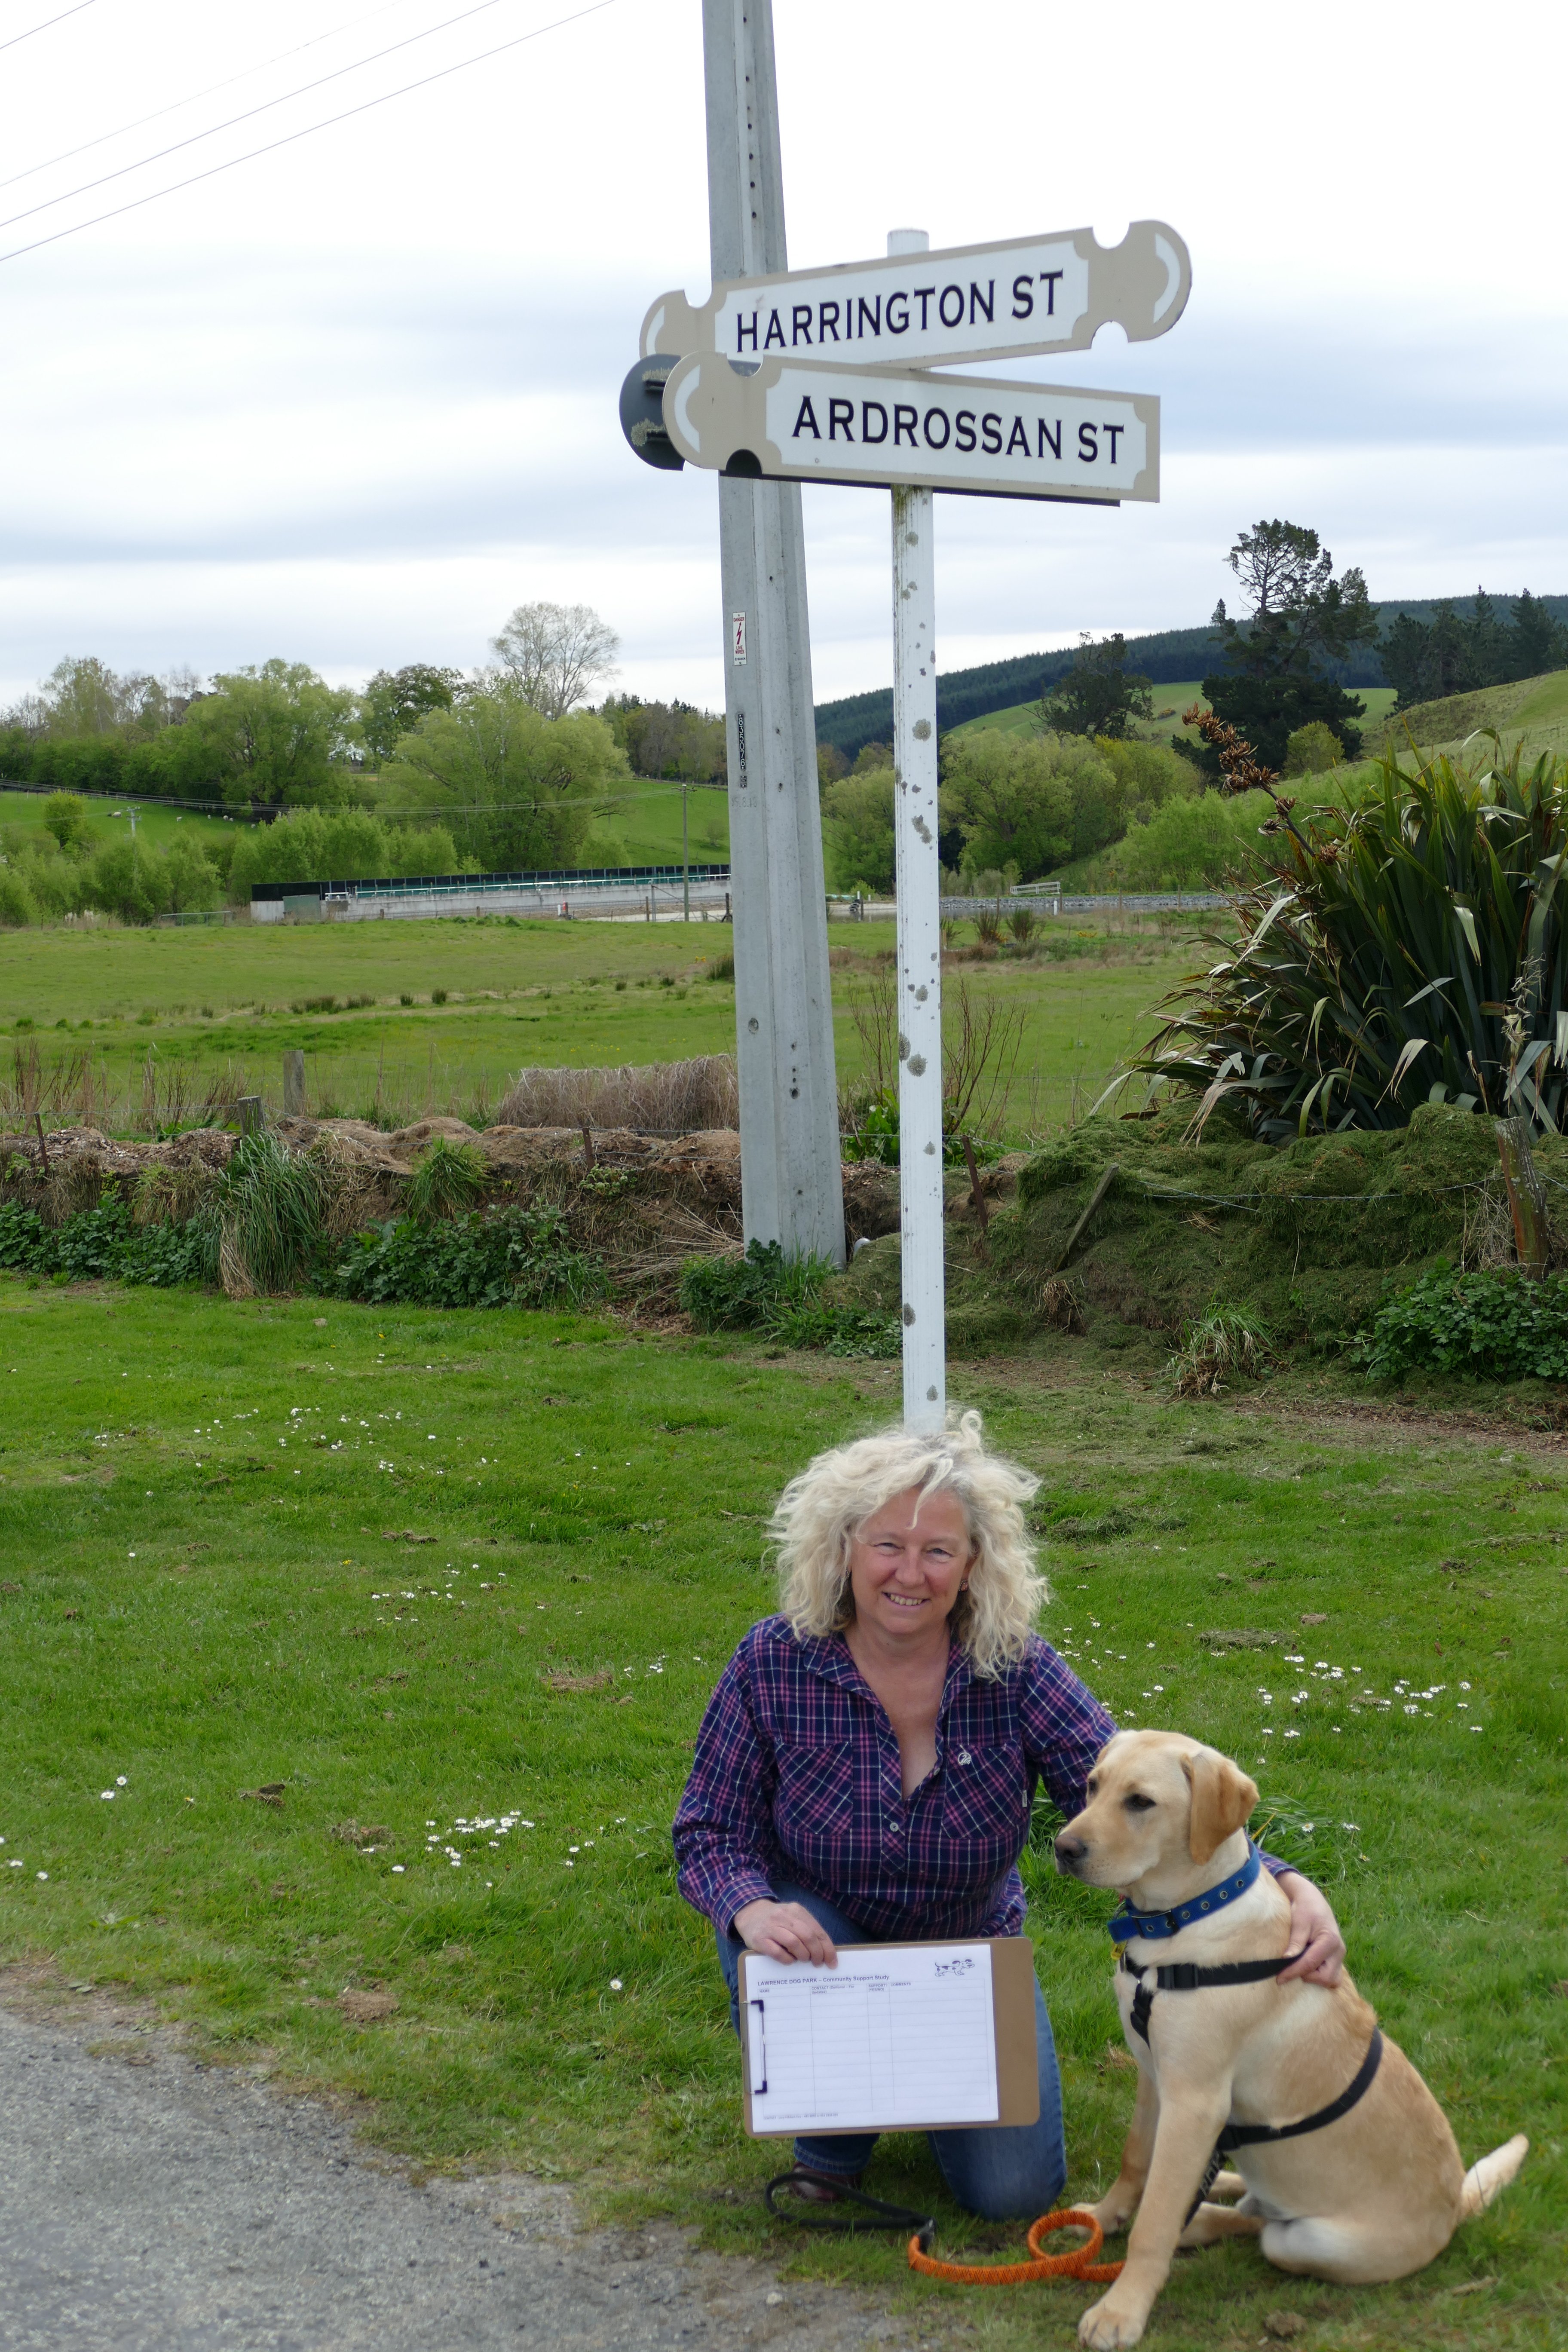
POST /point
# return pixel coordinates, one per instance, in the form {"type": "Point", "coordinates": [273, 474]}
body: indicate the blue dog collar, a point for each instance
{"type": "Point", "coordinates": [1129, 1923]}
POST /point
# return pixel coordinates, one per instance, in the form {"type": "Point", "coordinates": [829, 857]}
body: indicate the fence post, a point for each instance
{"type": "Point", "coordinates": [294, 1085]}
{"type": "Point", "coordinates": [249, 1112]}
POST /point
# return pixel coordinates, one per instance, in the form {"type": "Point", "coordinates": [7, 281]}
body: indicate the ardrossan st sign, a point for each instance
{"type": "Point", "coordinates": [1008, 300]}
{"type": "Point", "coordinates": [797, 420]}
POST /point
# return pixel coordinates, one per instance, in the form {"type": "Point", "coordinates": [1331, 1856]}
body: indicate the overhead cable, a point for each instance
{"type": "Point", "coordinates": [124, 129]}
{"type": "Point", "coordinates": [288, 140]}
{"type": "Point", "coordinates": [266, 107]}
{"type": "Point", "coordinates": [44, 27]}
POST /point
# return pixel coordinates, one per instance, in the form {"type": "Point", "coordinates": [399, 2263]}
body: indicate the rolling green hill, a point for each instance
{"type": "Point", "coordinates": [1533, 711]}
{"type": "Point", "coordinates": [156, 824]}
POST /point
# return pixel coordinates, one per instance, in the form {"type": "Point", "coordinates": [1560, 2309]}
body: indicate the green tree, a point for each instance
{"type": "Point", "coordinates": [65, 816]}
{"type": "Point", "coordinates": [278, 730]}
{"type": "Point", "coordinates": [17, 906]}
{"type": "Point", "coordinates": [193, 880]}
{"type": "Point", "coordinates": [394, 701]}
{"type": "Point", "coordinates": [127, 879]}
{"type": "Point", "coordinates": [1540, 643]}
{"type": "Point", "coordinates": [82, 697]}
{"type": "Point", "coordinates": [668, 738]}
{"type": "Point", "coordinates": [1032, 803]}
{"type": "Point", "coordinates": [1099, 696]}
{"type": "Point", "coordinates": [1299, 620]}
{"type": "Point", "coordinates": [1311, 750]}
{"type": "Point", "coordinates": [517, 791]}
{"type": "Point", "coordinates": [857, 831]}
{"type": "Point", "coordinates": [335, 846]}
{"type": "Point", "coordinates": [1456, 653]}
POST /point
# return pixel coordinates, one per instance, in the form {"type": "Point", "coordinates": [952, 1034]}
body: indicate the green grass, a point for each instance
{"type": "Point", "coordinates": [1533, 711]}
{"type": "Point", "coordinates": [646, 826]}
{"type": "Point", "coordinates": [156, 824]}
{"type": "Point", "coordinates": [526, 994]}
{"type": "Point", "coordinates": [196, 1606]}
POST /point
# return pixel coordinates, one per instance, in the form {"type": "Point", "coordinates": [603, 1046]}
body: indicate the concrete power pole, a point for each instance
{"type": "Point", "coordinates": [792, 1184]}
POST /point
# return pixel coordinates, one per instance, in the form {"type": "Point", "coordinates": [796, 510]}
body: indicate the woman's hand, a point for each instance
{"type": "Point", "coordinates": [1315, 1935]}
{"type": "Point", "coordinates": [786, 1931]}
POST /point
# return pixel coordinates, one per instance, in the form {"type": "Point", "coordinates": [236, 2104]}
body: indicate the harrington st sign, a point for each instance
{"type": "Point", "coordinates": [1012, 299]}
{"type": "Point", "coordinates": [798, 420]}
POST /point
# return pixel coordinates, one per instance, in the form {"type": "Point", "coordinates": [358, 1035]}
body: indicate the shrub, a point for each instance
{"type": "Point", "coordinates": [335, 845]}
{"type": "Point", "coordinates": [1491, 1325]}
{"type": "Point", "coordinates": [99, 1244]}
{"type": "Point", "coordinates": [1022, 922]}
{"type": "Point", "coordinates": [494, 1257]}
{"type": "Point", "coordinates": [262, 1223]}
{"type": "Point", "coordinates": [450, 1178]}
{"type": "Point", "coordinates": [16, 907]}
{"type": "Point", "coordinates": [1223, 1344]}
{"type": "Point", "coordinates": [1313, 749]}
{"type": "Point", "coordinates": [1192, 845]}
{"type": "Point", "coordinates": [736, 1294]}
{"type": "Point", "coordinates": [1407, 948]}
{"type": "Point", "coordinates": [781, 1296]}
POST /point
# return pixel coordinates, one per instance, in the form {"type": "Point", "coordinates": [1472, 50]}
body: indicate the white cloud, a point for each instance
{"type": "Point", "coordinates": [352, 402]}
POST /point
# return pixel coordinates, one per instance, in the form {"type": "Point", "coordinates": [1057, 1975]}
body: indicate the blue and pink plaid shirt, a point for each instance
{"type": "Point", "coordinates": [798, 1778]}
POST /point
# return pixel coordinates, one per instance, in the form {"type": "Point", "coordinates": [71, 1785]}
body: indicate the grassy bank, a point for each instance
{"type": "Point", "coordinates": [410, 1572]}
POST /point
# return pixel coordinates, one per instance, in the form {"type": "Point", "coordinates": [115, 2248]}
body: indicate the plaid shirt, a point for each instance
{"type": "Point", "coordinates": [798, 1777]}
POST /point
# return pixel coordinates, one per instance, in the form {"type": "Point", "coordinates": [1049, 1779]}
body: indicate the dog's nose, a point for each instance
{"type": "Point", "coordinates": [1070, 1851]}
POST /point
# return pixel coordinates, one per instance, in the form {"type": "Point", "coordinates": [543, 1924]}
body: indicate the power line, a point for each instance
{"type": "Point", "coordinates": [266, 107]}
{"type": "Point", "coordinates": [271, 147]}
{"type": "Point", "coordinates": [44, 27]}
{"type": "Point", "coordinates": [124, 129]}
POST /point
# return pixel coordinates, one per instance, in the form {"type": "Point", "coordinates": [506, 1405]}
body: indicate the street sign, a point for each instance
{"type": "Point", "coordinates": [808, 421]}
{"type": "Point", "coordinates": [1006, 301]}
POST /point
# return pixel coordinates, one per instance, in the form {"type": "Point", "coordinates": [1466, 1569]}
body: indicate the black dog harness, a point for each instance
{"type": "Point", "coordinates": [1185, 1976]}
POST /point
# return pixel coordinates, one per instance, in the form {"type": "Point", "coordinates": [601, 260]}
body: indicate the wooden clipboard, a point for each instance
{"type": "Point", "coordinates": [1013, 2019]}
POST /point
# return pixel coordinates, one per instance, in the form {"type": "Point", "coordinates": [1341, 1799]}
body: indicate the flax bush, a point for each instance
{"type": "Point", "coordinates": [1408, 947]}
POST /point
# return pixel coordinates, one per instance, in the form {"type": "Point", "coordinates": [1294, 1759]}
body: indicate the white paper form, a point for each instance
{"type": "Point", "coordinates": [886, 2038]}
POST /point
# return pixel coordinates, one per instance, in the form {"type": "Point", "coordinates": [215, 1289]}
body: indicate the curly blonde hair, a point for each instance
{"type": "Point", "coordinates": [820, 1513]}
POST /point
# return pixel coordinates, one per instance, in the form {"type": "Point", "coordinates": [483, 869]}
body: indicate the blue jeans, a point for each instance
{"type": "Point", "coordinates": [1007, 2172]}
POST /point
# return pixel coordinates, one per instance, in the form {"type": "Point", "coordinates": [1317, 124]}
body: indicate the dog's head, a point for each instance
{"type": "Point", "coordinates": [1158, 1804]}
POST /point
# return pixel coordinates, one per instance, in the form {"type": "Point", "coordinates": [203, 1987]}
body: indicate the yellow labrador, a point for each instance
{"type": "Point", "coordinates": [1373, 2186]}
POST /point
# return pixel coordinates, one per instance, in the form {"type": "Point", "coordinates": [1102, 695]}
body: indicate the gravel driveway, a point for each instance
{"type": "Point", "coordinates": [149, 2203]}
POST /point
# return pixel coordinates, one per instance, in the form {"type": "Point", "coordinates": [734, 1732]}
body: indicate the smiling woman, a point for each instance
{"type": "Point", "coordinates": [865, 1769]}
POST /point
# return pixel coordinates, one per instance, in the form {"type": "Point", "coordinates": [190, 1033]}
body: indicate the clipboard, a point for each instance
{"type": "Point", "coordinates": [1011, 1987]}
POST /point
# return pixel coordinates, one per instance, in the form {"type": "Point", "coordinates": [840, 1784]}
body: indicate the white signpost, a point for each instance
{"type": "Point", "coordinates": [809, 421]}
{"type": "Point", "coordinates": [820, 375]}
{"type": "Point", "coordinates": [1008, 300]}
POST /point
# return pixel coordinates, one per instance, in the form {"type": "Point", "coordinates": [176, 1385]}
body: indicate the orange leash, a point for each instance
{"type": "Point", "coordinates": [1077, 2264]}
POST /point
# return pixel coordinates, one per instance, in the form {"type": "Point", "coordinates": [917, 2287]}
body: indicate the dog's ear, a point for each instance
{"type": "Point", "coordinates": [1223, 1798]}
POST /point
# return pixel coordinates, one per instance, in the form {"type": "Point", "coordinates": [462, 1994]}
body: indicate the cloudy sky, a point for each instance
{"type": "Point", "coordinates": [352, 400]}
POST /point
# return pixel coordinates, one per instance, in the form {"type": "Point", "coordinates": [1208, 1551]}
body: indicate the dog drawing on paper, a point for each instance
{"type": "Point", "coordinates": [1347, 2168]}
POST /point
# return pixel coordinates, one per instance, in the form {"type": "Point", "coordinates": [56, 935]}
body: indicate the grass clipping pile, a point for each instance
{"type": "Point", "coordinates": [636, 1207]}
{"type": "Point", "coordinates": [1302, 1243]}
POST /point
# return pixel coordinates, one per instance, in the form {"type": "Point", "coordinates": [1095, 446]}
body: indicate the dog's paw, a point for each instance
{"type": "Point", "coordinates": [1114, 2213]}
{"type": "Point", "coordinates": [1105, 2328]}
